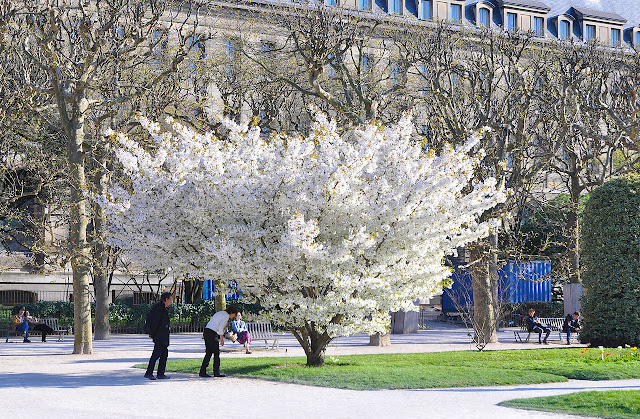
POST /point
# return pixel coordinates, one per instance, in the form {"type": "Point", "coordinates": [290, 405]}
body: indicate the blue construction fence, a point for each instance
{"type": "Point", "coordinates": [208, 291]}
{"type": "Point", "coordinates": [518, 282]}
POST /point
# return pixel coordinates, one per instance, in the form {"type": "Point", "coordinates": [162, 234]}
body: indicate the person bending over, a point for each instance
{"type": "Point", "coordinates": [214, 338]}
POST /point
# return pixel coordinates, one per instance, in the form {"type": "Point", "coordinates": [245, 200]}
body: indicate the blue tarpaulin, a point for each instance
{"type": "Point", "coordinates": [519, 282]}
{"type": "Point", "coordinates": [209, 288]}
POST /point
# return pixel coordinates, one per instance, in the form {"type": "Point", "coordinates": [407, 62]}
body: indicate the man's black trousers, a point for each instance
{"type": "Point", "coordinates": [212, 346]}
{"type": "Point", "coordinates": [159, 352]}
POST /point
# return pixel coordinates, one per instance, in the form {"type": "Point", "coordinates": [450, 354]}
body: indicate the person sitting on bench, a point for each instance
{"type": "Point", "coordinates": [534, 326]}
{"type": "Point", "coordinates": [34, 324]}
{"type": "Point", "coordinates": [21, 324]}
{"type": "Point", "coordinates": [240, 328]}
{"type": "Point", "coordinates": [571, 325]}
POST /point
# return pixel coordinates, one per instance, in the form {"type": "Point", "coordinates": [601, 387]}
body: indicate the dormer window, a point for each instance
{"type": "Point", "coordinates": [564, 28]}
{"type": "Point", "coordinates": [538, 26]}
{"type": "Point", "coordinates": [606, 27]}
{"type": "Point", "coordinates": [395, 7]}
{"type": "Point", "coordinates": [615, 37]}
{"type": "Point", "coordinates": [589, 32]}
{"type": "Point", "coordinates": [455, 13]}
{"type": "Point", "coordinates": [524, 15]}
{"type": "Point", "coordinates": [484, 17]}
{"type": "Point", "coordinates": [484, 14]}
{"type": "Point", "coordinates": [364, 4]}
{"type": "Point", "coordinates": [512, 21]}
{"type": "Point", "coordinates": [425, 10]}
{"type": "Point", "coordinates": [332, 2]}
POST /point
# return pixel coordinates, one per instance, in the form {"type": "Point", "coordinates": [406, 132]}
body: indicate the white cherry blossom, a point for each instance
{"type": "Point", "coordinates": [329, 232]}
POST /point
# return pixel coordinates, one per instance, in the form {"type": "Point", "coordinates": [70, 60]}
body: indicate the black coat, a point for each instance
{"type": "Point", "coordinates": [532, 322]}
{"type": "Point", "coordinates": [159, 322]}
{"type": "Point", "coordinates": [571, 323]}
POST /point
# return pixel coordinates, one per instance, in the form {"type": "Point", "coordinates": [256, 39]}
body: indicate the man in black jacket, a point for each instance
{"type": "Point", "coordinates": [534, 326]}
{"type": "Point", "coordinates": [159, 325]}
{"type": "Point", "coordinates": [571, 325]}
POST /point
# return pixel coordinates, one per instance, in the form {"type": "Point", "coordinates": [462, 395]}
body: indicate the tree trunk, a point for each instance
{"type": "Point", "coordinates": [80, 250]}
{"type": "Point", "coordinates": [313, 342]}
{"type": "Point", "coordinates": [101, 254]}
{"type": "Point", "coordinates": [573, 230]}
{"type": "Point", "coordinates": [221, 300]}
{"type": "Point", "coordinates": [484, 321]}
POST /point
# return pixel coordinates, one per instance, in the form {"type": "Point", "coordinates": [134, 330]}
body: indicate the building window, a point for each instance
{"type": "Point", "coordinates": [615, 37]}
{"type": "Point", "coordinates": [197, 52]}
{"type": "Point", "coordinates": [637, 41]}
{"type": "Point", "coordinates": [332, 2]}
{"type": "Point", "coordinates": [564, 29]}
{"type": "Point", "coordinates": [512, 21]}
{"type": "Point", "coordinates": [394, 7]}
{"type": "Point", "coordinates": [455, 13]}
{"type": "Point", "coordinates": [232, 47]}
{"type": "Point", "coordinates": [365, 4]}
{"type": "Point", "coordinates": [538, 26]}
{"type": "Point", "coordinates": [425, 9]}
{"type": "Point", "coordinates": [425, 73]}
{"type": "Point", "coordinates": [396, 73]}
{"type": "Point", "coordinates": [484, 17]}
{"type": "Point", "coordinates": [589, 32]}
{"type": "Point", "coordinates": [366, 63]}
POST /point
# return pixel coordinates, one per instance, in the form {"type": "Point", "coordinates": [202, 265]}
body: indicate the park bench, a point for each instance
{"type": "Point", "coordinates": [553, 323]}
{"type": "Point", "coordinates": [260, 331]}
{"type": "Point", "coordinates": [51, 322]}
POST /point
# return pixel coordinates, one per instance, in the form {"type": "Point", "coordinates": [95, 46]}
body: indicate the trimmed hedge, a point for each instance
{"type": "Point", "coordinates": [610, 258]}
{"type": "Point", "coordinates": [542, 308]}
{"type": "Point", "coordinates": [119, 313]}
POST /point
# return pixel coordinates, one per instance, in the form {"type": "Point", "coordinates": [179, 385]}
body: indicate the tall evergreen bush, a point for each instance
{"type": "Point", "coordinates": [611, 261]}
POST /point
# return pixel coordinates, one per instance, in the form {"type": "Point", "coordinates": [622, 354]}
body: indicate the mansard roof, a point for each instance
{"type": "Point", "coordinates": [529, 4]}
{"type": "Point", "coordinates": [583, 12]}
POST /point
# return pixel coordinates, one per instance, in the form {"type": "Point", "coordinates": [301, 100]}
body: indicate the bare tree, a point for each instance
{"type": "Point", "coordinates": [81, 63]}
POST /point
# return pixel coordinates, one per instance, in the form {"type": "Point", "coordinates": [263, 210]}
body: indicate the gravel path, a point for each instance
{"type": "Point", "coordinates": [44, 378]}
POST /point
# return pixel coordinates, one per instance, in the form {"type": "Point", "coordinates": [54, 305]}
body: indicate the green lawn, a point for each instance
{"type": "Point", "coordinates": [620, 404]}
{"type": "Point", "coordinates": [434, 370]}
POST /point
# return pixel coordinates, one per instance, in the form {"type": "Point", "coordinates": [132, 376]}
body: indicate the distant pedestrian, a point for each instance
{"type": "Point", "coordinates": [240, 328]}
{"type": "Point", "coordinates": [35, 324]}
{"type": "Point", "coordinates": [21, 324]}
{"type": "Point", "coordinates": [214, 338]}
{"type": "Point", "coordinates": [571, 325]}
{"type": "Point", "coordinates": [159, 331]}
{"type": "Point", "coordinates": [534, 326]}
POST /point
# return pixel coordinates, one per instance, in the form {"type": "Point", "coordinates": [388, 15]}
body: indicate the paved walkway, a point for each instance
{"type": "Point", "coordinates": [57, 385]}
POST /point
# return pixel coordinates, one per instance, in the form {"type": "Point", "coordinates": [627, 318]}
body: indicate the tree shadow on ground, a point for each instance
{"type": "Point", "coordinates": [97, 379]}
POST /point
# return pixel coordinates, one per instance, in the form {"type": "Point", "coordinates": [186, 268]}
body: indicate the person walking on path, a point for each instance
{"type": "Point", "coordinates": [534, 326]}
{"type": "Point", "coordinates": [240, 328]}
{"type": "Point", "coordinates": [21, 324]}
{"type": "Point", "coordinates": [214, 338]}
{"type": "Point", "coordinates": [571, 325]}
{"type": "Point", "coordinates": [158, 320]}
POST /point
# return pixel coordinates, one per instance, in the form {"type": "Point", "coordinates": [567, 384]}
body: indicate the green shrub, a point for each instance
{"type": "Point", "coordinates": [610, 258]}
{"type": "Point", "coordinates": [121, 314]}
{"type": "Point", "coordinates": [542, 308]}
{"type": "Point", "coordinates": [57, 309]}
